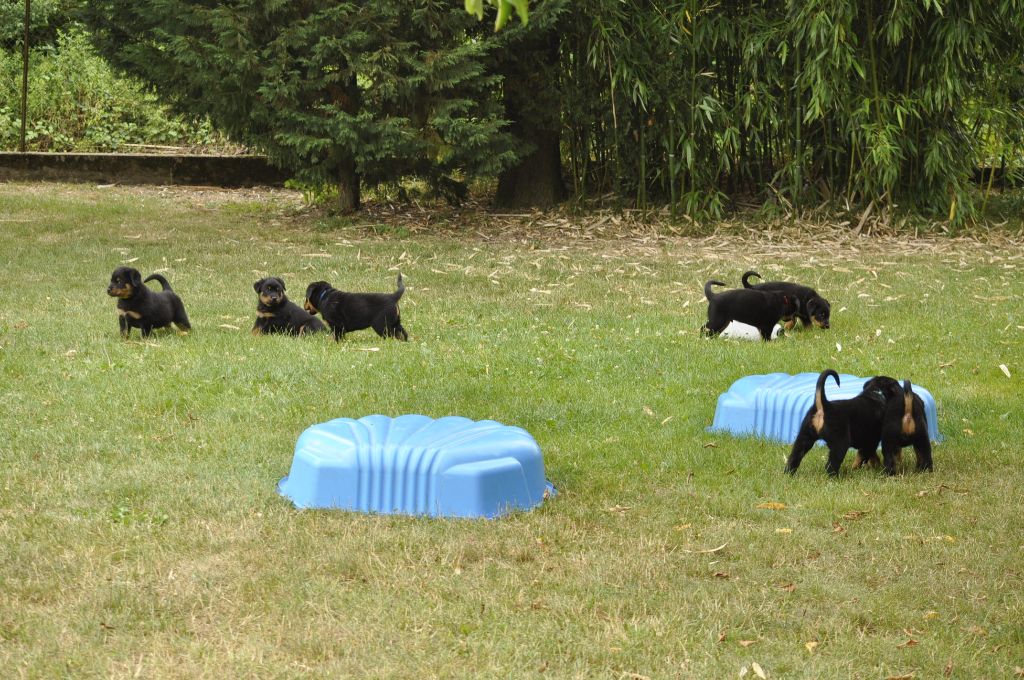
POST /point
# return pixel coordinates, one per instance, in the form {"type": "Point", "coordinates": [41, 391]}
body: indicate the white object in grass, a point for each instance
{"type": "Point", "coordinates": [742, 331]}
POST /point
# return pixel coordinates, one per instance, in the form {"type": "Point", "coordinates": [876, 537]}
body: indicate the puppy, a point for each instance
{"type": "Point", "coordinates": [813, 309]}
{"type": "Point", "coordinates": [759, 308]}
{"type": "Point", "coordinates": [139, 307]}
{"type": "Point", "coordinates": [345, 312]}
{"type": "Point", "coordinates": [903, 424]}
{"type": "Point", "coordinates": [848, 423]}
{"type": "Point", "coordinates": [275, 313]}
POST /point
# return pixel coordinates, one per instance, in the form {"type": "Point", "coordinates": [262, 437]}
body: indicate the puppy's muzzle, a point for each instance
{"type": "Point", "coordinates": [123, 293]}
{"type": "Point", "coordinates": [308, 306]}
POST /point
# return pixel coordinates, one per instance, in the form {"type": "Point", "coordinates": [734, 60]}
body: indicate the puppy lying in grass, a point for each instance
{"type": "Point", "coordinates": [345, 312]}
{"type": "Point", "coordinates": [812, 308]}
{"type": "Point", "coordinates": [761, 309]}
{"type": "Point", "coordinates": [139, 307]}
{"type": "Point", "coordinates": [849, 423]}
{"type": "Point", "coordinates": [903, 424]}
{"type": "Point", "coordinates": [275, 313]}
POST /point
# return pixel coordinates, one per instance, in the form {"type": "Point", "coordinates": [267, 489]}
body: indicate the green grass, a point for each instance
{"type": "Point", "coordinates": [141, 533]}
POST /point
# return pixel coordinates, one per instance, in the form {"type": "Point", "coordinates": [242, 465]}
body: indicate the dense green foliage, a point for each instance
{"type": "Point", "coordinates": [803, 100]}
{"type": "Point", "coordinates": [693, 103]}
{"type": "Point", "coordinates": [337, 91]}
{"type": "Point", "coordinates": [77, 103]}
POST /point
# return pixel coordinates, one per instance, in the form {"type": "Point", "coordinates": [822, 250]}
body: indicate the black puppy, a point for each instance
{"type": "Point", "coordinates": [139, 307]}
{"type": "Point", "coordinates": [813, 309]}
{"type": "Point", "coordinates": [346, 312]}
{"type": "Point", "coordinates": [848, 423]}
{"type": "Point", "coordinates": [759, 308]}
{"type": "Point", "coordinates": [275, 313]}
{"type": "Point", "coordinates": [903, 424]}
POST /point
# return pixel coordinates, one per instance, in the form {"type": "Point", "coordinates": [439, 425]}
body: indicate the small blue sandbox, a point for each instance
{"type": "Point", "coordinates": [416, 465]}
{"type": "Point", "coordinates": [773, 405]}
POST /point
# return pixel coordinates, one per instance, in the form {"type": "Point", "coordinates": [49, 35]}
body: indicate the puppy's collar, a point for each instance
{"type": "Point", "coordinates": [322, 296]}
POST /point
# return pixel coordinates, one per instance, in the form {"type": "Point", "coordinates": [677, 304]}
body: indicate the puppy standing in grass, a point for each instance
{"type": "Point", "coordinates": [275, 313]}
{"type": "Point", "coordinates": [811, 307]}
{"type": "Point", "coordinates": [345, 312]}
{"type": "Point", "coordinates": [759, 308]}
{"type": "Point", "coordinates": [903, 424]}
{"type": "Point", "coordinates": [848, 423]}
{"type": "Point", "coordinates": [139, 307]}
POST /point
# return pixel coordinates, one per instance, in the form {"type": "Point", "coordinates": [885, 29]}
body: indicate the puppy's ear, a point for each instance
{"type": "Point", "coordinates": [256, 286]}
{"type": "Point", "coordinates": [281, 281]}
{"type": "Point", "coordinates": [136, 278]}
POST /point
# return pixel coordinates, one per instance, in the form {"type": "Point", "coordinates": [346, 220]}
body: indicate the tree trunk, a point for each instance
{"type": "Point", "coordinates": [533, 105]}
{"type": "Point", "coordinates": [348, 186]}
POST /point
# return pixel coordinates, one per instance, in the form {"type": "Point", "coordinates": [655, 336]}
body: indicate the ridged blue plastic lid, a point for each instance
{"type": "Point", "coordinates": [773, 405]}
{"type": "Point", "coordinates": [416, 465]}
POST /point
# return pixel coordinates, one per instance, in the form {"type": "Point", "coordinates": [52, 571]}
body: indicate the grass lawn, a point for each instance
{"type": "Point", "coordinates": [141, 533]}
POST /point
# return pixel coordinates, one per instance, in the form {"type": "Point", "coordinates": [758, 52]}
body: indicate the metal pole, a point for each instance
{"type": "Point", "coordinates": [24, 73]}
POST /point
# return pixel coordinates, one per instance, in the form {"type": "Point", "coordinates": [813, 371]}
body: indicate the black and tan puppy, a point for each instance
{"type": "Point", "coordinates": [813, 309]}
{"type": "Point", "coordinates": [845, 424]}
{"type": "Point", "coordinates": [275, 313]}
{"type": "Point", "coordinates": [345, 312]}
{"type": "Point", "coordinates": [903, 424]}
{"type": "Point", "coordinates": [142, 308]}
{"type": "Point", "coordinates": [759, 308]}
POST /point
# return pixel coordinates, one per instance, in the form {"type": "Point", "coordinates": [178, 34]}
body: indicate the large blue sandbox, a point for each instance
{"type": "Point", "coordinates": [416, 465]}
{"type": "Point", "coordinates": [773, 405]}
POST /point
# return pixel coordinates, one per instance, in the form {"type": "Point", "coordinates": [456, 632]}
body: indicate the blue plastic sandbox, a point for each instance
{"type": "Point", "coordinates": [773, 405]}
{"type": "Point", "coordinates": [416, 465]}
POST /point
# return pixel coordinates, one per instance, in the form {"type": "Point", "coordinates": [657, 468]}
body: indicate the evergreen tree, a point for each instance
{"type": "Point", "coordinates": [340, 93]}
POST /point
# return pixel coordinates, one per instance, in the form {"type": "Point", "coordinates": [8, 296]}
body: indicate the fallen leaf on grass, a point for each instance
{"type": "Point", "coordinates": [948, 670]}
{"type": "Point", "coordinates": [721, 636]}
{"type": "Point", "coordinates": [837, 528]}
{"type": "Point", "coordinates": [747, 643]}
{"type": "Point", "coordinates": [783, 530]}
{"type": "Point", "coordinates": [908, 676]}
{"type": "Point", "coordinates": [721, 574]}
{"type": "Point", "coordinates": [682, 527]}
{"type": "Point", "coordinates": [758, 671]}
{"type": "Point", "coordinates": [929, 615]}
{"type": "Point", "coordinates": [771, 505]}
{"type": "Point", "coordinates": [667, 419]}
{"type": "Point", "coordinates": [366, 349]}
{"type": "Point", "coordinates": [227, 325]}
{"type": "Point", "coordinates": [711, 445]}
{"type": "Point", "coordinates": [619, 508]}
{"type": "Point", "coordinates": [788, 587]}
{"type": "Point", "coordinates": [1004, 369]}
{"type": "Point", "coordinates": [811, 646]}
{"type": "Point", "coordinates": [1018, 671]}
{"type": "Point", "coordinates": [909, 643]}
{"type": "Point", "coordinates": [977, 630]}
{"type": "Point", "coordinates": [855, 514]}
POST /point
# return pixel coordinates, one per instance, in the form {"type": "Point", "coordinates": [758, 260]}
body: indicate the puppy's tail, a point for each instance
{"type": "Point", "coordinates": [747, 275]}
{"type": "Point", "coordinates": [160, 279]}
{"type": "Point", "coordinates": [399, 288]}
{"type": "Point", "coordinates": [707, 288]}
{"type": "Point", "coordinates": [907, 424]}
{"type": "Point", "coordinates": [820, 400]}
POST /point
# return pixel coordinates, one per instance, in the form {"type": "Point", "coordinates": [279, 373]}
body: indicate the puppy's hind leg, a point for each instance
{"type": "Point", "coordinates": [836, 453]}
{"type": "Point", "coordinates": [923, 451]}
{"type": "Point", "coordinates": [180, 318]}
{"type": "Point", "coordinates": [804, 441]}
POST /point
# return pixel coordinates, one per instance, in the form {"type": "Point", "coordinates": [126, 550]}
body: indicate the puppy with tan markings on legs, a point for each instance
{"type": "Point", "coordinates": [345, 312]}
{"type": "Point", "coordinates": [904, 424]}
{"type": "Point", "coordinates": [142, 308]}
{"type": "Point", "coordinates": [844, 424]}
{"type": "Point", "coordinates": [275, 313]}
{"type": "Point", "coordinates": [813, 309]}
